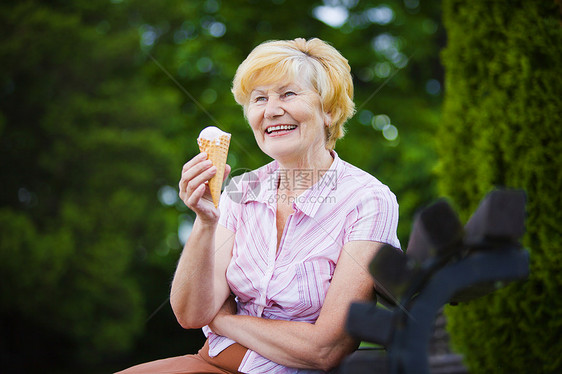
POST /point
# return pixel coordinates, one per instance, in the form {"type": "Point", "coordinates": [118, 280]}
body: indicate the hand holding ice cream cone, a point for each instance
{"type": "Point", "coordinates": [203, 175]}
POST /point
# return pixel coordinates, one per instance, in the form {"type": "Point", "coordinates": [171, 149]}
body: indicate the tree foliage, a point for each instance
{"type": "Point", "coordinates": [100, 105]}
{"type": "Point", "coordinates": [501, 128]}
{"type": "Point", "coordinates": [85, 146]}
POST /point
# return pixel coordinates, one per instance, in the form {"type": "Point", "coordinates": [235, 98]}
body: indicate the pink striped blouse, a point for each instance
{"type": "Point", "coordinates": [345, 204]}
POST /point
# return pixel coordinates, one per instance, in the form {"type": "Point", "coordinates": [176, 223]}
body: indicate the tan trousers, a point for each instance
{"type": "Point", "coordinates": [226, 362]}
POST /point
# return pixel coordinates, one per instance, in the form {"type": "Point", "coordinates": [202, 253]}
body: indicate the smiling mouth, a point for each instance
{"type": "Point", "coordinates": [279, 128]}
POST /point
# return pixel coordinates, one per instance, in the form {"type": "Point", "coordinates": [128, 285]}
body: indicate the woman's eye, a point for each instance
{"type": "Point", "coordinates": [259, 99]}
{"type": "Point", "coordinates": [289, 93]}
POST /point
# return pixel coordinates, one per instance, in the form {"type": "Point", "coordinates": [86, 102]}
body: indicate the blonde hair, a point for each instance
{"type": "Point", "coordinates": [322, 65]}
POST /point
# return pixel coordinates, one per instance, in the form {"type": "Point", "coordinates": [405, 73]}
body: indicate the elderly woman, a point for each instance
{"type": "Point", "coordinates": [295, 248]}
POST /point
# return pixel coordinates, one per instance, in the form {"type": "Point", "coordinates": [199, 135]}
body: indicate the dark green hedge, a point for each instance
{"type": "Point", "coordinates": [502, 126]}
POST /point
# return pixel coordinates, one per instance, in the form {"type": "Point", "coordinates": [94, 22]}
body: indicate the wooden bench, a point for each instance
{"type": "Point", "coordinates": [444, 263]}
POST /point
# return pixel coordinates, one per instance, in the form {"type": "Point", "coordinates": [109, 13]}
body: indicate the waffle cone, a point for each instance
{"type": "Point", "coordinates": [216, 152]}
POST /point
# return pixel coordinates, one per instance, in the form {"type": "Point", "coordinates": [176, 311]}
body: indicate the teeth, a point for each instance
{"type": "Point", "coordinates": [280, 127]}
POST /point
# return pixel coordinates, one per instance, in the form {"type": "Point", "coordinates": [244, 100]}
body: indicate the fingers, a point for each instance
{"type": "Point", "coordinates": [197, 194]}
{"type": "Point", "coordinates": [197, 159]}
{"type": "Point", "coordinates": [193, 186]}
{"type": "Point", "coordinates": [195, 174]}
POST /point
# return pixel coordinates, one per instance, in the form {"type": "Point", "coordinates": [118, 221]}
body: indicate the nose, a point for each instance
{"type": "Point", "coordinates": [273, 108]}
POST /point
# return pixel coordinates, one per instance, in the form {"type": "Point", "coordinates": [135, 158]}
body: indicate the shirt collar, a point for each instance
{"type": "Point", "coordinates": [310, 200]}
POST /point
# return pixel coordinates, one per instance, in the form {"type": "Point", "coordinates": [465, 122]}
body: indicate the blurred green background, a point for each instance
{"type": "Point", "coordinates": [101, 102]}
{"type": "Point", "coordinates": [502, 127]}
{"type": "Point", "coordinates": [100, 105]}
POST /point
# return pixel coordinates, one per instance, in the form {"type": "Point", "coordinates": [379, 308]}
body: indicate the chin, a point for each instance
{"type": "Point", "coordinates": [279, 153]}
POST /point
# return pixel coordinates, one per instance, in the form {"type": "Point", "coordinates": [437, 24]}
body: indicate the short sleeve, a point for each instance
{"type": "Point", "coordinates": [375, 217]}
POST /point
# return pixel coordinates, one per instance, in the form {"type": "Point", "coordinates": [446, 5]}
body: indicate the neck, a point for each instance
{"type": "Point", "coordinates": [297, 175]}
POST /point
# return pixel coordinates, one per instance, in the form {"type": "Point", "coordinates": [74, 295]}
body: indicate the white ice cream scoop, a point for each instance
{"type": "Point", "coordinates": [212, 133]}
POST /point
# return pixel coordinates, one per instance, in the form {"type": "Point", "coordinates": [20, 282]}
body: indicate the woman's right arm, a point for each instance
{"type": "Point", "coordinates": [199, 287]}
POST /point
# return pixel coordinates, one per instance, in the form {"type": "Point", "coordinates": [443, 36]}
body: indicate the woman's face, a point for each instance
{"type": "Point", "coordinates": [287, 120]}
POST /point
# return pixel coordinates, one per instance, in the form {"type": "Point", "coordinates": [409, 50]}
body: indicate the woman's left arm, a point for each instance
{"type": "Point", "coordinates": [321, 345]}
